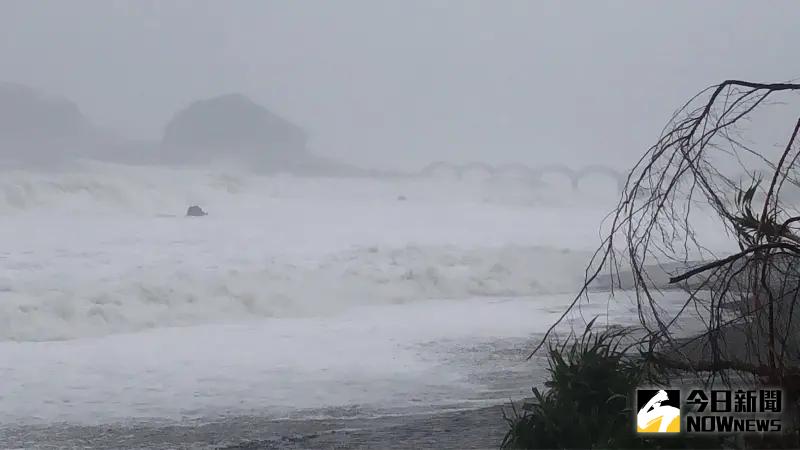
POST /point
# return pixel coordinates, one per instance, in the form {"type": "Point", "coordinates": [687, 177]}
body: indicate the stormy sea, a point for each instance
{"type": "Point", "coordinates": [298, 312]}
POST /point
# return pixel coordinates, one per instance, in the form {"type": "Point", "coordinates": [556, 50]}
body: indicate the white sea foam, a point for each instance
{"type": "Point", "coordinates": [292, 296]}
{"type": "Point", "coordinates": [104, 249]}
{"type": "Point", "coordinates": [91, 188]}
{"type": "Point", "coordinates": [42, 308]}
{"type": "Point", "coordinates": [367, 360]}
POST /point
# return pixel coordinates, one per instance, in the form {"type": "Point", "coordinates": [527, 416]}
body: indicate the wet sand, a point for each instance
{"type": "Point", "coordinates": [475, 428]}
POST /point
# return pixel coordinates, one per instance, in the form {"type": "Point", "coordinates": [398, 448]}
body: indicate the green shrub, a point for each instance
{"type": "Point", "coordinates": [587, 403]}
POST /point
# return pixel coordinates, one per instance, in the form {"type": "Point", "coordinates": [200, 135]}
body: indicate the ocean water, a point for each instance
{"type": "Point", "coordinates": [294, 297]}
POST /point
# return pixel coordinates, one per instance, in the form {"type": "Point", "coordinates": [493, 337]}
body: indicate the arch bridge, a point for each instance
{"type": "Point", "coordinates": [535, 174]}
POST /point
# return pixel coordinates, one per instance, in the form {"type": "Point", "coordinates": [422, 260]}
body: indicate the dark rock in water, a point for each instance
{"type": "Point", "coordinates": [195, 211]}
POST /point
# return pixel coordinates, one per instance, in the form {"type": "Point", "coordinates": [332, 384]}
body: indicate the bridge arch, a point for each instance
{"type": "Point", "coordinates": [533, 173]}
{"type": "Point", "coordinates": [517, 169]}
{"type": "Point", "coordinates": [432, 168]}
{"type": "Point", "coordinates": [476, 166]}
{"type": "Point", "coordinates": [540, 172]}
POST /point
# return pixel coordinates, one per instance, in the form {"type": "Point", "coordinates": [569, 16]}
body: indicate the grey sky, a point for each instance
{"type": "Point", "coordinates": [402, 83]}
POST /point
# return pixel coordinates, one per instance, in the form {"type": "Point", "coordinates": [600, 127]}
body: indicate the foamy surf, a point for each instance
{"type": "Point", "coordinates": [294, 297]}
{"type": "Point", "coordinates": [100, 249]}
{"type": "Point", "coordinates": [161, 295]}
{"type": "Point", "coordinates": [93, 187]}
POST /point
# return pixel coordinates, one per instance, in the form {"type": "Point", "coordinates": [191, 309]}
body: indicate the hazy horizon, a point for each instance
{"type": "Point", "coordinates": [400, 84]}
{"type": "Point", "coordinates": [276, 268]}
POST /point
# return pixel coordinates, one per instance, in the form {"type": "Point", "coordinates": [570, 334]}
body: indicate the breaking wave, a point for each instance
{"type": "Point", "coordinates": [108, 188]}
{"type": "Point", "coordinates": [101, 248]}
{"type": "Point", "coordinates": [162, 296]}
{"type": "Point", "coordinates": [95, 187]}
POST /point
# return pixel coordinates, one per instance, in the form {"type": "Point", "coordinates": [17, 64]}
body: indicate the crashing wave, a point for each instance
{"type": "Point", "coordinates": [281, 287]}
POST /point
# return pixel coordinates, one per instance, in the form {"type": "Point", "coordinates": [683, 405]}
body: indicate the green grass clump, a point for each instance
{"type": "Point", "coordinates": [588, 398]}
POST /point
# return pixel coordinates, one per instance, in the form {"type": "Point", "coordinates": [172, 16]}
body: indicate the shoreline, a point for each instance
{"type": "Point", "coordinates": [482, 427]}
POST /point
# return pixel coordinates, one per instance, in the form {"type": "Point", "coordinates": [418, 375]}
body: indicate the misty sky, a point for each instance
{"type": "Point", "coordinates": [403, 83]}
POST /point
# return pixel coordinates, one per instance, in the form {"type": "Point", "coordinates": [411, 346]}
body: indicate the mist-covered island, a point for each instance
{"type": "Point", "coordinates": [257, 225]}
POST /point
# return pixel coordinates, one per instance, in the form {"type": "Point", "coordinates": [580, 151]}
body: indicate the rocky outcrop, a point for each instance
{"type": "Point", "coordinates": [28, 114]}
{"type": "Point", "coordinates": [232, 127]}
{"type": "Point", "coordinates": [38, 127]}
